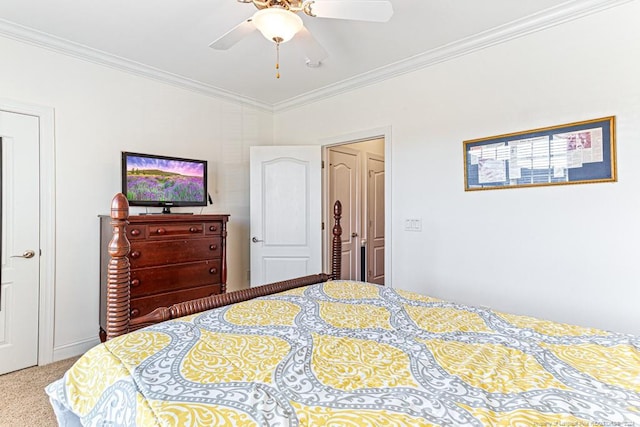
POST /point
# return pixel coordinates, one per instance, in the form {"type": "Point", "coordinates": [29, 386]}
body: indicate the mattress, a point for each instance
{"type": "Point", "coordinates": [348, 353]}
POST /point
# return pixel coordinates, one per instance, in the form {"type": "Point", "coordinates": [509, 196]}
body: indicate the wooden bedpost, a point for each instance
{"type": "Point", "coordinates": [118, 270]}
{"type": "Point", "coordinates": [336, 246]}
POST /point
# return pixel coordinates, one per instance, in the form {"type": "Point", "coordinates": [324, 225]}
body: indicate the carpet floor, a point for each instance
{"type": "Point", "coordinates": [22, 396]}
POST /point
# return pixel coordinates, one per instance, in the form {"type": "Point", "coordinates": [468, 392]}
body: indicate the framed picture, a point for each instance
{"type": "Point", "coordinates": [575, 153]}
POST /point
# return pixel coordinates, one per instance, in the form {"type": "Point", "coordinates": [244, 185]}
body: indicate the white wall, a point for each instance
{"type": "Point", "coordinates": [100, 112]}
{"type": "Point", "coordinates": [567, 253]}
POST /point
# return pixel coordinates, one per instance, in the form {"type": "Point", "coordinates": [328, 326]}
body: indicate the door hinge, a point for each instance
{"type": "Point", "coordinates": [370, 173]}
{"type": "Point", "coordinates": [323, 225]}
{"type": "Point", "coordinates": [323, 164]}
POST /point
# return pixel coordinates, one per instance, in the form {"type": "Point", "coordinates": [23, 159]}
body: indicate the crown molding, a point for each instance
{"type": "Point", "coordinates": [551, 17]}
{"type": "Point", "coordinates": [77, 50]}
{"type": "Point", "coordinates": [565, 12]}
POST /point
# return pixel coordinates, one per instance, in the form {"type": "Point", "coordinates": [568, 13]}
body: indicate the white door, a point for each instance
{"type": "Point", "coordinates": [344, 185]}
{"type": "Point", "coordinates": [20, 251]}
{"type": "Point", "coordinates": [375, 219]}
{"type": "Point", "coordinates": [285, 213]}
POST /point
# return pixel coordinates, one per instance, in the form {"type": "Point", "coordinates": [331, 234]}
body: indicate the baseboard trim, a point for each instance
{"type": "Point", "coordinates": [74, 349]}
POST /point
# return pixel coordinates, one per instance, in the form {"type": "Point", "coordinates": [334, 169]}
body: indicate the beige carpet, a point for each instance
{"type": "Point", "coordinates": [23, 401]}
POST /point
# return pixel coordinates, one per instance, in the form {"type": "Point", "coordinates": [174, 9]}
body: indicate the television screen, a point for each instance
{"type": "Point", "coordinates": [150, 180]}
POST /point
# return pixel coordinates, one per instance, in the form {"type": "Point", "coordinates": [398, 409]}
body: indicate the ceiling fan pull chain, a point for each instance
{"type": "Point", "coordinates": [277, 60]}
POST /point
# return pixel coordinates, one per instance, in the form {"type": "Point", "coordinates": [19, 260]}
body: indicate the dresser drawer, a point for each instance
{"type": "Point", "coordinates": [149, 254]}
{"type": "Point", "coordinates": [175, 230]}
{"type": "Point", "coordinates": [136, 232]}
{"type": "Point", "coordinates": [214, 227]}
{"type": "Point", "coordinates": [144, 305]}
{"type": "Point", "coordinates": [155, 280]}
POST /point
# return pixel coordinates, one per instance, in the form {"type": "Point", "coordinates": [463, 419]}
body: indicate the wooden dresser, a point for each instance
{"type": "Point", "coordinates": [173, 258]}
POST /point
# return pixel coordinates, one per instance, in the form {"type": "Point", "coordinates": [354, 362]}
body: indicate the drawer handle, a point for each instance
{"type": "Point", "coordinates": [193, 230]}
{"type": "Point", "coordinates": [135, 254]}
{"type": "Point", "coordinates": [213, 228]}
{"type": "Point", "coordinates": [161, 231]}
{"type": "Point", "coordinates": [135, 232]}
{"type": "Point", "coordinates": [135, 283]}
{"type": "Point", "coordinates": [135, 312]}
{"type": "Point", "coordinates": [213, 247]}
{"type": "Point", "coordinates": [213, 270]}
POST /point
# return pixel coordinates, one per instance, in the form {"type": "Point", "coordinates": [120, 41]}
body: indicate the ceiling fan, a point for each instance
{"type": "Point", "coordinates": [279, 22]}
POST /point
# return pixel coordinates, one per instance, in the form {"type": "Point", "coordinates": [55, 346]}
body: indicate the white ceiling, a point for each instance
{"type": "Point", "coordinates": [169, 40]}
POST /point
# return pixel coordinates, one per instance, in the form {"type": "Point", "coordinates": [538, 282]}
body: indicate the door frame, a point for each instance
{"type": "Point", "coordinates": [365, 135]}
{"type": "Point", "coordinates": [47, 224]}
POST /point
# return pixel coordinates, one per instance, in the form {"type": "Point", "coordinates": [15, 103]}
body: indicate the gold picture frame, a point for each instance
{"type": "Point", "coordinates": [574, 153]}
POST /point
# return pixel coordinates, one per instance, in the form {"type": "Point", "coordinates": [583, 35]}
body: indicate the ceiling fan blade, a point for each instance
{"type": "Point", "coordinates": [357, 10]}
{"type": "Point", "coordinates": [313, 50]}
{"type": "Point", "coordinates": [234, 35]}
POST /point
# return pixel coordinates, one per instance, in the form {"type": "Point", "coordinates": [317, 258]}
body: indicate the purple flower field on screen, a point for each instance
{"type": "Point", "coordinates": [164, 188]}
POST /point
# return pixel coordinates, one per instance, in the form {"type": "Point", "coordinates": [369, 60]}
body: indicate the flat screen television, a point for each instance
{"type": "Point", "coordinates": [162, 181]}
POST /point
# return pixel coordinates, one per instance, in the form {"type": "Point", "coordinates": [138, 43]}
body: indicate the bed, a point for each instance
{"type": "Point", "coordinates": [316, 351]}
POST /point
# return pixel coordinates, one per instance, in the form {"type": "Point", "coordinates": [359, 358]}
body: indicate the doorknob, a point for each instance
{"type": "Point", "coordinates": [256, 240]}
{"type": "Point", "coordinates": [354, 234]}
{"type": "Point", "coordinates": [26, 254]}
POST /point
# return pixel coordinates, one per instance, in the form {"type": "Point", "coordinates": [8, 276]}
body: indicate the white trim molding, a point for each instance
{"type": "Point", "coordinates": [74, 349]}
{"type": "Point", "coordinates": [533, 23]}
{"type": "Point", "coordinates": [46, 319]}
{"type": "Point", "coordinates": [565, 12]}
{"type": "Point", "coordinates": [77, 50]}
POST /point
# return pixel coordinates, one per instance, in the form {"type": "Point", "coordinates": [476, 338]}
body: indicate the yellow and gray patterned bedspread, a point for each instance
{"type": "Point", "coordinates": [353, 354]}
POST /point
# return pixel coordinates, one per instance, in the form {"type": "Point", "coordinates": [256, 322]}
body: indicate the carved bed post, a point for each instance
{"type": "Point", "coordinates": [336, 246]}
{"type": "Point", "coordinates": [118, 270]}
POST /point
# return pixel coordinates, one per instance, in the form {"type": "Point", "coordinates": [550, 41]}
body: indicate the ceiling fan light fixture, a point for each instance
{"type": "Point", "coordinates": [277, 24]}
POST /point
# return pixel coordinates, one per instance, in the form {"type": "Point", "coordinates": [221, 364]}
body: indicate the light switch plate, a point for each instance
{"type": "Point", "coordinates": [413, 224]}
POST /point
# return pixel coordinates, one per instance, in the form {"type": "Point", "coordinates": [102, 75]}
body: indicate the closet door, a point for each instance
{"type": "Point", "coordinates": [344, 183]}
{"type": "Point", "coordinates": [375, 219]}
